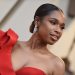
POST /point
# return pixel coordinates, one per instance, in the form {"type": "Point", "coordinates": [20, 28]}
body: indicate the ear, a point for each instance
{"type": "Point", "coordinates": [37, 21]}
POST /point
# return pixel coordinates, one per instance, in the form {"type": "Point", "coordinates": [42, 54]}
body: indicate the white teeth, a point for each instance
{"type": "Point", "coordinates": [54, 37]}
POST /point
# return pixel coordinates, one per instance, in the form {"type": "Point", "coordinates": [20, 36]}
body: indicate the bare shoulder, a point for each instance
{"type": "Point", "coordinates": [59, 66]}
{"type": "Point", "coordinates": [59, 62]}
{"type": "Point", "coordinates": [17, 46]}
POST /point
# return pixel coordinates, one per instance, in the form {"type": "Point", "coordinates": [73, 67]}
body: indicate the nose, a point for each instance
{"type": "Point", "coordinates": [58, 30]}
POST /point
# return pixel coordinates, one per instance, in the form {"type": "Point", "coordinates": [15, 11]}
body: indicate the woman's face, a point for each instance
{"type": "Point", "coordinates": [51, 27]}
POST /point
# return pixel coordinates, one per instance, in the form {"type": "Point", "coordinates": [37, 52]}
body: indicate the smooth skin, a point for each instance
{"type": "Point", "coordinates": [34, 52]}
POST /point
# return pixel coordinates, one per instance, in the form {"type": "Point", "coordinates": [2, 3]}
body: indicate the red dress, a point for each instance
{"type": "Point", "coordinates": [7, 41]}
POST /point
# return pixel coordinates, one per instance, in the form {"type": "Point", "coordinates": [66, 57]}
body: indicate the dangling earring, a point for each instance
{"type": "Point", "coordinates": [35, 28]}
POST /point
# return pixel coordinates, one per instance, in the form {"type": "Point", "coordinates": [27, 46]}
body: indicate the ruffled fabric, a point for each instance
{"type": "Point", "coordinates": [7, 41]}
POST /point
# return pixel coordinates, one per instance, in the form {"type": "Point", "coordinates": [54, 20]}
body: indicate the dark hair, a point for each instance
{"type": "Point", "coordinates": [42, 11]}
{"type": "Point", "coordinates": [66, 60]}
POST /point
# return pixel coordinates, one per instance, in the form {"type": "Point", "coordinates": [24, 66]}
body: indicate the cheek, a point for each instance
{"type": "Point", "coordinates": [49, 27]}
{"type": "Point", "coordinates": [61, 33]}
{"type": "Point", "coordinates": [45, 29]}
{"type": "Point", "coordinates": [43, 32]}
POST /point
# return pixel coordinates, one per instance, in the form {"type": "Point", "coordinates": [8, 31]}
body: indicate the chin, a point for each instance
{"type": "Point", "coordinates": [51, 42]}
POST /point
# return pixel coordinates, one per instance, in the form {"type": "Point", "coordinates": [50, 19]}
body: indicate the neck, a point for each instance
{"type": "Point", "coordinates": [35, 42]}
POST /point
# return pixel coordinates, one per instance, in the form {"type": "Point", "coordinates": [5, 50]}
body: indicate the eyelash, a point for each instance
{"type": "Point", "coordinates": [53, 23]}
{"type": "Point", "coordinates": [62, 27]}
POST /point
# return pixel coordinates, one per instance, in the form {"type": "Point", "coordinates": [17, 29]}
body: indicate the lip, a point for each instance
{"type": "Point", "coordinates": [54, 37]}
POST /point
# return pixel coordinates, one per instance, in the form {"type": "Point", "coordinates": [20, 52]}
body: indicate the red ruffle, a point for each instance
{"type": "Point", "coordinates": [7, 41]}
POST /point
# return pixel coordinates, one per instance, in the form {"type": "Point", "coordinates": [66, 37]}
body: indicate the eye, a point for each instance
{"type": "Point", "coordinates": [63, 26]}
{"type": "Point", "coordinates": [53, 22]}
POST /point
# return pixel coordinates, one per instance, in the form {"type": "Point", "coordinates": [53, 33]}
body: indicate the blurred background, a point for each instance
{"type": "Point", "coordinates": [18, 15]}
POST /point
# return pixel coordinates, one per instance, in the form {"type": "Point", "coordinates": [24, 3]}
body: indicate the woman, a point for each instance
{"type": "Point", "coordinates": [32, 57]}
